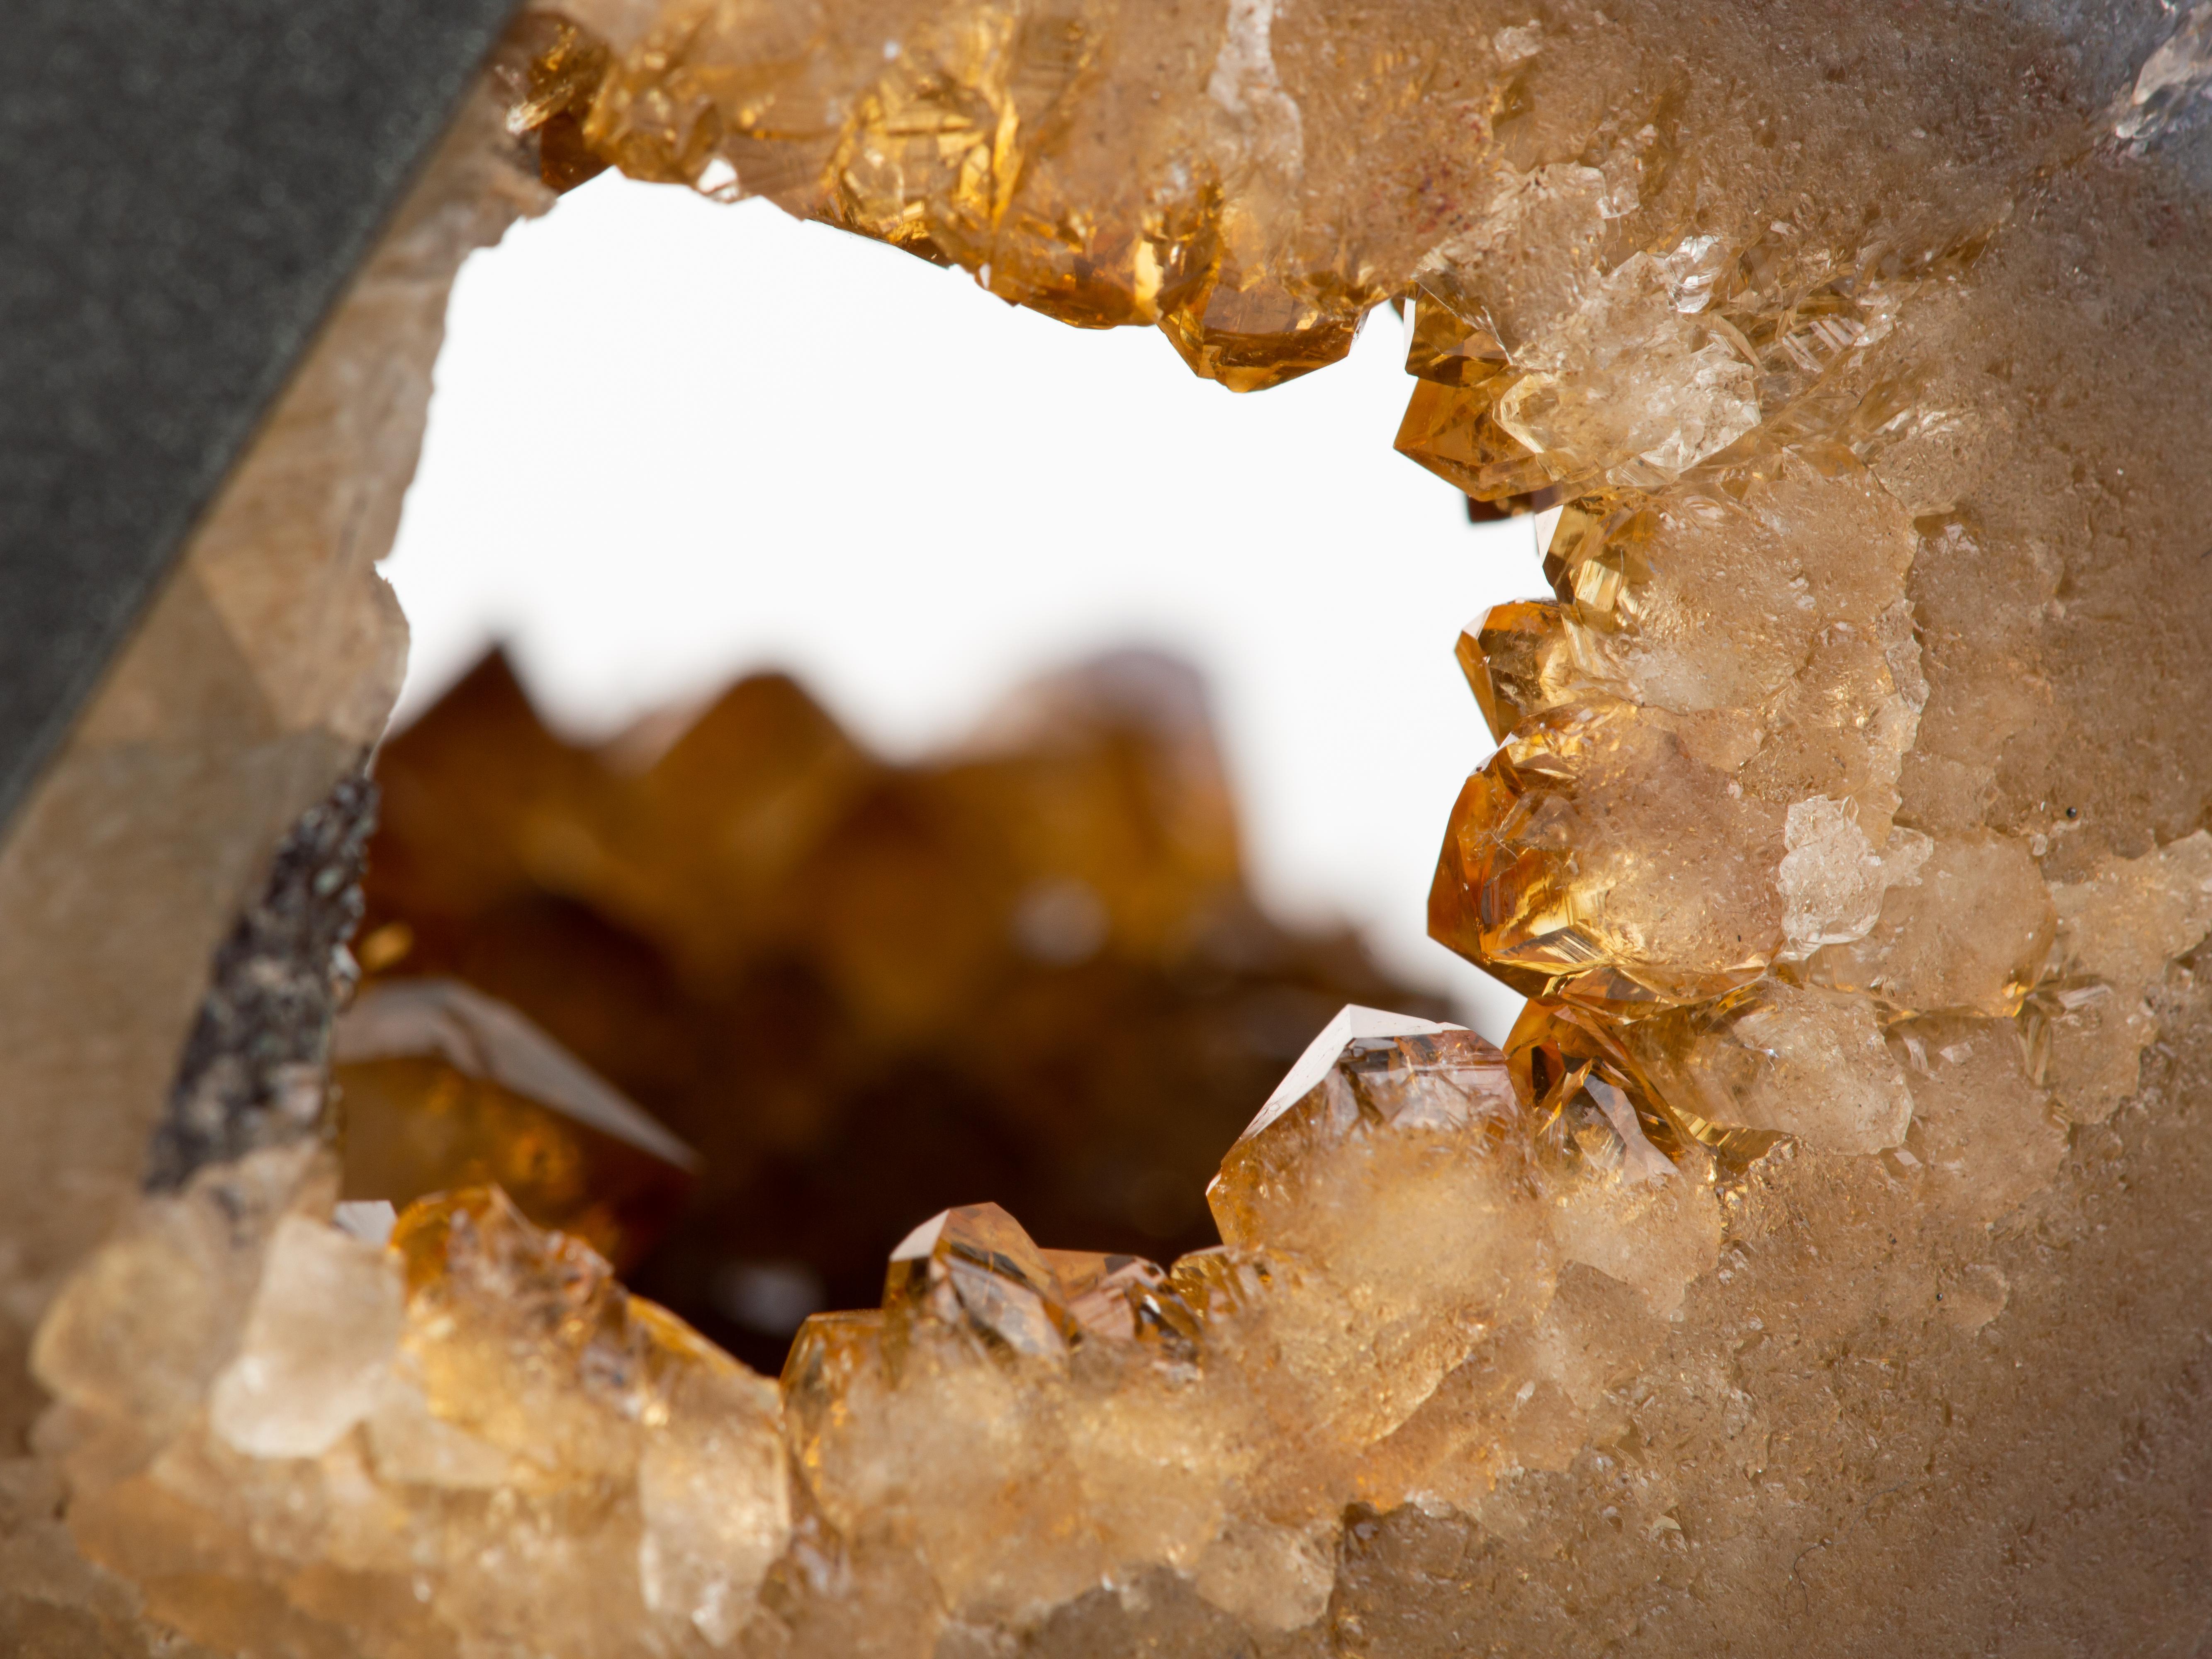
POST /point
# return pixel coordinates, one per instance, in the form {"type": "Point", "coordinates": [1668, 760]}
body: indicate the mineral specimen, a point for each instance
{"type": "Point", "coordinates": [1814, 1270]}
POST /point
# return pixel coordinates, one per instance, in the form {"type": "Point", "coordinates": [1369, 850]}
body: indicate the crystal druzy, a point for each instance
{"type": "Point", "coordinates": [1817, 1268]}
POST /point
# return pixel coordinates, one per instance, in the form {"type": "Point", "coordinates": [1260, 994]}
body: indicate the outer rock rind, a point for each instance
{"type": "Point", "coordinates": [259, 673]}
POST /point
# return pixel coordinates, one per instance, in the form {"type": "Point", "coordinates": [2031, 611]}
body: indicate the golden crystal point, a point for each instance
{"type": "Point", "coordinates": [1124, 1298]}
{"type": "Point", "coordinates": [1663, 1066]}
{"type": "Point", "coordinates": [1445, 348]}
{"type": "Point", "coordinates": [1258, 338]}
{"type": "Point", "coordinates": [500, 1309]}
{"type": "Point", "coordinates": [1597, 549]}
{"type": "Point", "coordinates": [443, 1088]}
{"type": "Point", "coordinates": [478, 1233]}
{"type": "Point", "coordinates": [974, 1269]}
{"type": "Point", "coordinates": [1518, 662]}
{"type": "Point", "coordinates": [1596, 859]}
{"type": "Point", "coordinates": [1453, 431]}
{"type": "Point", "coordinates": [1593, 1104]}
{"type": "Point", "coordinates": [1384, 1075]}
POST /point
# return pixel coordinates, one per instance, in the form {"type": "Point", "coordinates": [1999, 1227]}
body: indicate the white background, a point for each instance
{"type": "Point", "coordinates": [674, 441]}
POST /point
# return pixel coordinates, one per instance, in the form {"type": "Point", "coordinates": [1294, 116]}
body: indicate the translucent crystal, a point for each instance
{"type": "Point", "coordinates": [1600, 858]}
{"type": "Point", "coordinates": [1802, 561]}
{"type": "Point", "coordinates": [1444, 347]}
{"type": "Point", "coordinates": [1627, 387]}
{"type": "Point", "coordinates": [471, 1436]}
{"type": "Point", "coordinates": [2093, 1013]}
{"type": "Point", "coordinates": [1124, 1298]}
{"type": "Point", "coordinates": [1970, 931]}
{"type": "Point", "coordinates": [1776, 1058]}
{"type": "Point", "coordinates": [1489, 1200]}
{"type": "Point", "coordinates": [1518, 660]}
{"type": "Point", "coordinates": [323, 1331]}
{"type": "Point", "coordinates": [550, 82]}
{"type": "Point", "coordinates": [1832, 879]}
{"type": "Point", "coordinates": [973, 1268]}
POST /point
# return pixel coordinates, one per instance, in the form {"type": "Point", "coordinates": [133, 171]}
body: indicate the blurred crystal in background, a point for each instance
{"type": "Point", "coordinates": [822, 749]}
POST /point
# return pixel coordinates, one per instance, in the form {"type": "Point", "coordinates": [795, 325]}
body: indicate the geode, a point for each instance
{"type": "Point", "coordinates": [1815, 1265]}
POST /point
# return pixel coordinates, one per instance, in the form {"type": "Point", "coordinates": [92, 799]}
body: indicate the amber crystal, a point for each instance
{"type": "Point", "coordinates": [1251, 339]}
{"type": "Point", "coordinates": [442, 1088]}
{"type": "Point", "coordinates": [1588, 1090]}
{"type": "Point", "coordinates": [550, 76]}
{"type": "Point", "coordinates": [1600, 857]}
{"type": "Point", "coordinates": [1518, 662]}
{"type": "Point", "coordinates": [1453, 431]}
{"type": "Point", "coordinates": [1446, 348]}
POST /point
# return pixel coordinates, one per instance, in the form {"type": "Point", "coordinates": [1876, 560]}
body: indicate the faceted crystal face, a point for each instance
{"type": "Point", "coordinates": [1380, 1089]}
{"type": "Point", "coordinates": [1125, 1298]}
{"type": "Point", "coordinates": [1207, 1418]}
{"type": "Point", "coordinates": [1794, 555]}
{"type": "Point", "coordinates": [1444, 347]}
{"type": "Point", "coordinates": [1775, 1059]}
{"type": "Point", "coordinates": [1588, 1091]}
{"type": "Point", "coordinates": [1600, 857]}
{"type": "Point", "coordinates": [1454, 432]}
{"type": "Point", "coordinates": [1252, 340]}
{"type": "Point", "coordinates": [973, 1268]}
{"type": "Point", "coordinates": [1518, 662]}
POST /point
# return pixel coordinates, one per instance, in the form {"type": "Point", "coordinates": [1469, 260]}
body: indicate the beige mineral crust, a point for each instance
{"type": "Point", "coordinates": [289, 1434]}
{"type": "Point", "coordinates": [1815, 1267]}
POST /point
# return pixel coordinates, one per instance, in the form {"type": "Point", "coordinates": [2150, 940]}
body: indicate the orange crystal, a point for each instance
{"type": "Point", "coordinates": [1596, 858]}
{"type": "Point", "coordinates": [1518, 662]}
